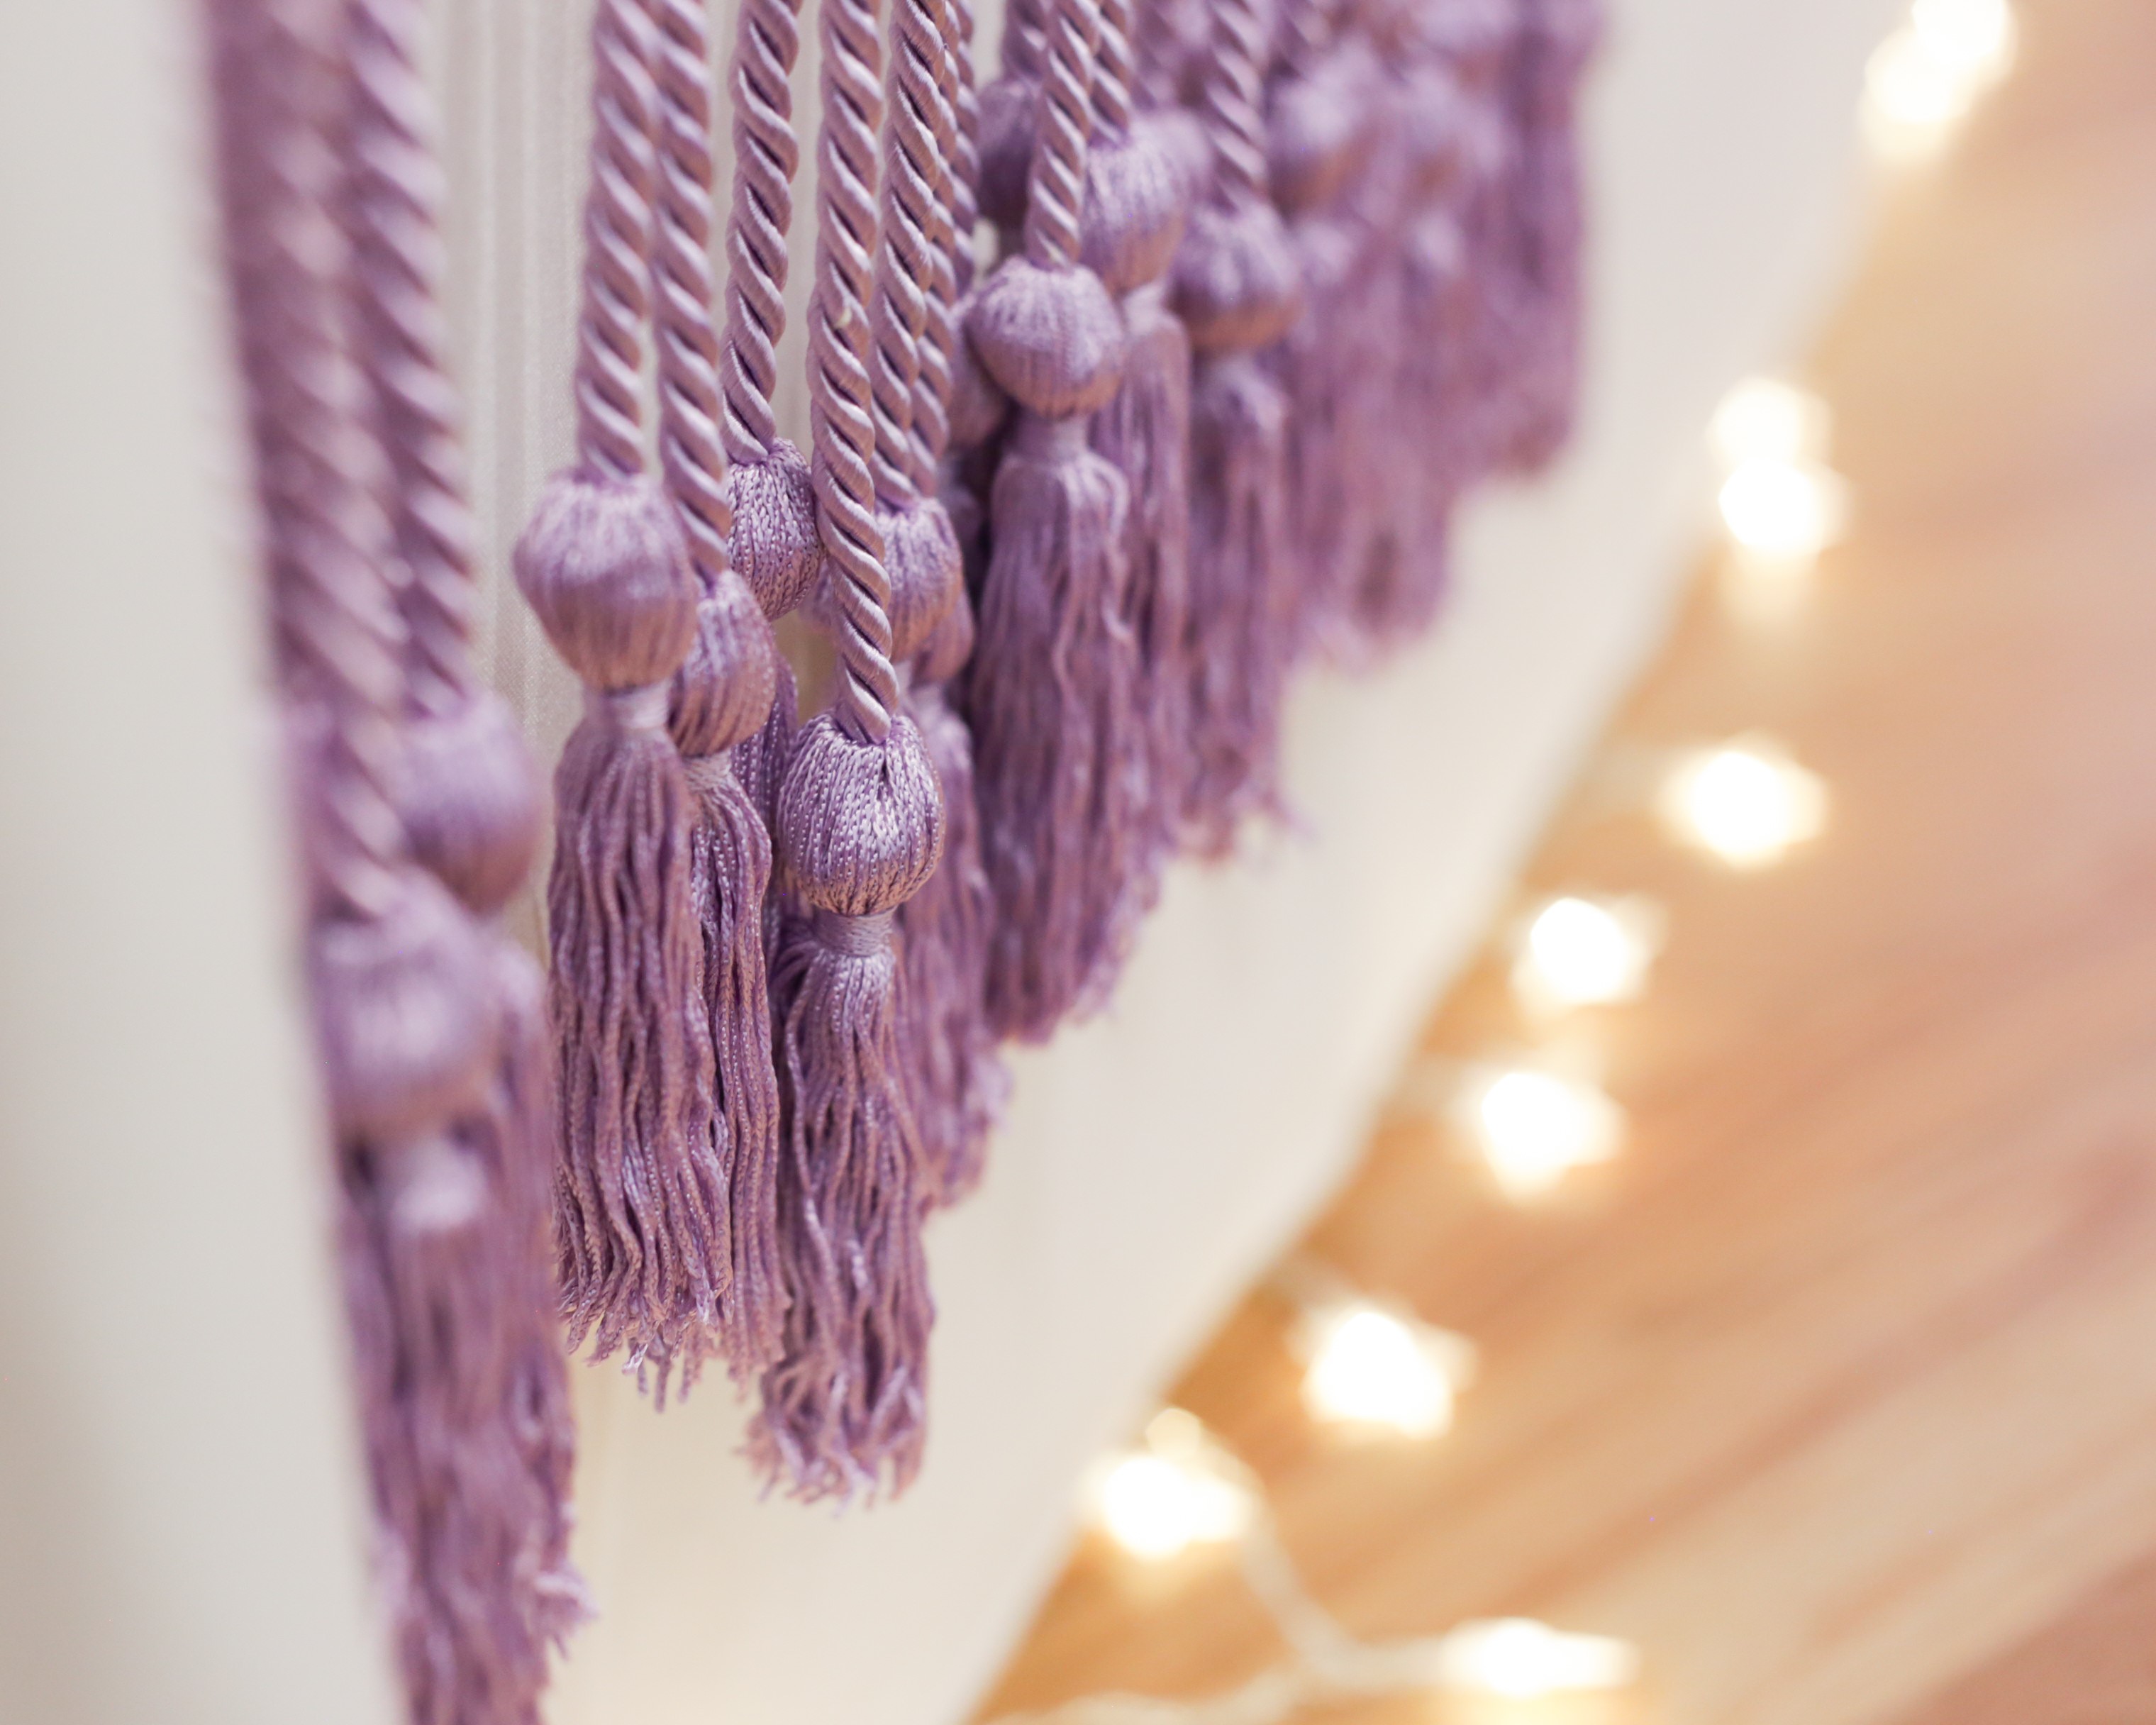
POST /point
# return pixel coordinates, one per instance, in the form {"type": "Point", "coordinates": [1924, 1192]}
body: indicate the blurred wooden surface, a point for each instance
{"type": "Point", "coordinates": [1837, 1393]}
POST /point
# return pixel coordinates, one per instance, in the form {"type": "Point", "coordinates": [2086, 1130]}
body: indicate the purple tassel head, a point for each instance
{"type": "Point", "coordinates": [1051, 338]}
{"type": "Point", "coordinates": [723, 691]}
{"type": "Point", "coordinates": [1008, 113]}
{"type": "Point", "coordinates": [1318, 134]}
{"type": "Point", "coordinates": [471, 800]}
{"type": "Point", "coordinates": [774, 545]}
{"type": "Point", "coordinates": [408, 1025]}
{"type": "Point", "coordinates": [860, 824]}
{"type": "Point", "coordinates": [978, 406]}
{"type": "Point", "coordinates": [604, 565]}
{"type": "Point", "coordinates": [925, 568]}
{"type": "Point", "coordinates": [1135, 198]}
{"type": "Point", "coordinates": [1236, 284]}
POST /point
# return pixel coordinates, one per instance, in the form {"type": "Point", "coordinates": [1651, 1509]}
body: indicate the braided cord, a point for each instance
{"type": "Point", "coordinates": [841, 420]}
{"type": "Point", "coordinates": [909, 216]}
{"type": "Point", "coordinates": [339, 639]}
{"type": "Point", "coordinates": [393, 201]}
{"type": "Point", "coordinates": [1234, 104]}
{"type": "Point", "coordinates": [690, 454]}
{"type": "Point", "coordinates": [617, 234]}
{"type": "Point", "coordinates": [1112, 73]}
{"type": "Point", "coordinates": [1306, 30]}
{"type": "Point", "coordinates": [965, 157]}
{"type": "Point", "coordinates": [1055, 185]}
{"type": "Point", "coordinates": [1026, 37]}
{"type": "Point", "coordinates": [1159, 52]}
{"type": "Point", "coordinates": [932, 389]}
{"type": "Point", "coordinates": [766, 42]}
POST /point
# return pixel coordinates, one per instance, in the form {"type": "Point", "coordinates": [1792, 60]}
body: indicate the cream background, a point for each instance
{"type": "Point", "coordinates": [177, 1535]}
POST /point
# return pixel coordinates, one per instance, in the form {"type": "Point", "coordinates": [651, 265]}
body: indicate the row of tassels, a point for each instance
{"type": "Point", "coordinates": [1277, 283]}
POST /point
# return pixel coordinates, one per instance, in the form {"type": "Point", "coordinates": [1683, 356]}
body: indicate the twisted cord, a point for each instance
{"type": "Point", "coordinates": [1234, 104]}
{"type": "Point", "coordinates": [339, 639]}
{"type": "Point", "coordinates": [1112, 73]}
{"type": "Point", "coordinates": [766, 42]}
{"type": "Point", "coordinates": [690, 454]}
{"type": "Point", "coordinates": [1306, 30]}
{"type": "Point", "coordinates": [909, 214]}
{"type": "Point", "coordinates": [965, 157]}
{"type": "Point", "coordinates": [1158, 52]}
{"type": "Point", "coordinates": [1055, 185]}
{"type": "Point", "coordinates": [932, 389]}
{"type": "Point", "coordinates": [392, 207]}
{"type": "Point", "coordinates": [618, 228]}
{"type": "Point", "coordinates": [1026, 37]}
{"type": "Point", "coordinates": [843, 427]}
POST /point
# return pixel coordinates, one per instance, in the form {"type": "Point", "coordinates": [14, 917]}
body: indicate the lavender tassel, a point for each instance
{"type": "Point", "coordinates": [1236, 289]}
{"type": "Point", "coordinates": [722, 695]}
{"type": "Point", "coordinates": [859, 830]}
{"type": "Point", "coordinates": [644, 1225]}
{"type": "Point", "coordinates": [425, 1056]}
{"type": "Point", "coordinates": [1133, 221]}
{"type": "Point", "coordinates": [1060, 741]}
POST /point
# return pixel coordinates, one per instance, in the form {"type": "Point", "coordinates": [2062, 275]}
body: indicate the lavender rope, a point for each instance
{"type": "Point", "coordinates": [722, 695]}
{"type": "Point", "coordinates": [774, 543]}
{"type": "Point", "coordinates": [406, 1003]}
{"type": "Point", "coordinates": [1237, 289]}
{"type": "Point", "coordinates": [861, 828]}
{"type": "Point", "coordinates": [643, 1216]}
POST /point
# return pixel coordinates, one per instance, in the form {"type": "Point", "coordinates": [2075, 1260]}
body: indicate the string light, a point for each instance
{"type": "Point", "coordinates": [1976, 37]}
{"type": "Point", "coordinates": [1522, 1660]}
{"type": "Point", "coordinates": [1158, 1500]}
{"type": "Point", "coordinates": [1534, 1127]}
{"type": "Point", "coordinates": [1924, 78]}
{"type": "Point", "coordinates": [1583, 952]}
{"type": "Point", "coordinates": [1784, 509]}
{"type": "Point", "coordinates": [1770, 419]}
{"type": "Point", "coordinates": [1746, 803]}
{"type": "Point", "coordinates": [1374, 1368]}
{"type": "Point", "coordinates": [1507, 1658]}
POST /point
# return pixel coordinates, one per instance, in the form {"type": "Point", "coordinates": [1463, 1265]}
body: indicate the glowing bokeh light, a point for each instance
{"type": "Point", "coordinates": [1746, 803]}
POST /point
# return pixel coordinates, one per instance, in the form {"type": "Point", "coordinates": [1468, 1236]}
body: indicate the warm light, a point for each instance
{"type": "Point", "coordinates": [1158, 1502]}
{"type": "Point", "coordinates": [1370, 1366]}
{"type": "Point", "coordinates": [1747, 803]}
{"type": "Point", "coordinates": [1522, 1660]}
{"type": "Point", "coordinates": [1536, 1126]}
{"type": "Point", "coordinates": [1976, 36]}
{"type": "Point", "coordinates": [1770, 419]}
{"type": "Point", "coordinates": [1784, 509]}
{"type": "Point", "coordinates": [1923, 80]}
{"type": "Point", "coordinates": [1580, 951]}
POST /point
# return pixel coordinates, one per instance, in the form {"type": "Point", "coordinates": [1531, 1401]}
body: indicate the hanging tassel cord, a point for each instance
{"type": "Point", "coordinates": [861, 828]}
{"type": "Point", "coordinates": [643, 1217]}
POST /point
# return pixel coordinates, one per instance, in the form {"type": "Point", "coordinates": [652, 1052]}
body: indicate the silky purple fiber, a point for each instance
{"type": "Point", "coordinates": [1060, 740]}
{"type": "Point", "coordinates": [773, 542]}
{"type": "Point", "coordinates": [1438, 153]}
{"type": "Point", "coordinates": [1132, 222]}
{"type": "Point", "coordinates": [642, 1217]}
{"type": "Point", "coordinates": [425, 1061]}
{"type": "Point", "coordinates": [1474, 46]}
{"type": "Point", "coordinates": [860, 829]}
{"type": "Point", "coordinates": [1236, 285]}
{"type": "Point", "coordinates": [722, 695]}
{"type": "Point", "coordinates": [955, 1076]}
{"type": "Point", "coordinates": [1320, 145]}
{"type": "Point", "coordinates": [470, 797]}
{"type": "Point", "coordinates": [1558, 40]}
{"type": "Point", "coordinates": [959, 1082]}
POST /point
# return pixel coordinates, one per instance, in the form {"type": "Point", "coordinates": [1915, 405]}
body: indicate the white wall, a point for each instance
{"type": "Point", "coordinates": [176, 1537]}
